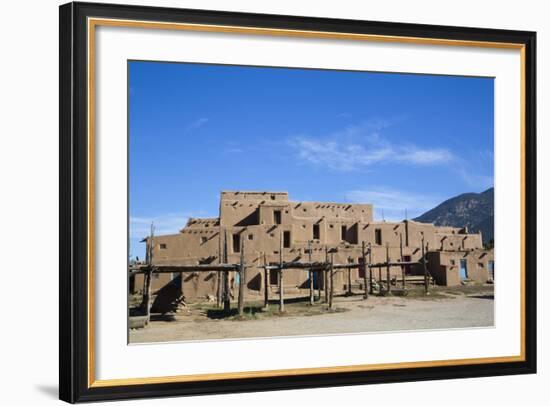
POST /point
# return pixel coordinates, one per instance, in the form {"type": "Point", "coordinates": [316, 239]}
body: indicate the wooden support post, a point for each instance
{"type": "Point", "coordinates": [226, 293]}
{"type": "Point", "coordinates": [371, 291]}
{"type": "Point", "coordinates": [402, 266]}
{"type": "Point", "coordinates": [266, 284]}
{"type": "Point", "coordinates": [331, 295]}
{"type": "Point", "coordinates": [325, 276]}
{"type": "Point", "coordinates": [388, 267]}
{"type": "Point", "coordinates": [281, 281]}
{"type": "Point", "coordinates": [242, 271]}
{"type": "Point", "coordinates": [364, 267]}
{"type": "Point", "coordinates": [147, 297]}
{"type": "Point", "coordinates": [425, 267]}
{"type": "Point", "coordinates": [311, 296]}
{"type": "Point", "coordinates": [219, 293]}
{"type": "Point", "coordinates": [350, 260]}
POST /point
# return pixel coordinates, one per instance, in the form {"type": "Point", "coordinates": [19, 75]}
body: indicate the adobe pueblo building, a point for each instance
{"type": "Point", "coordinates": [265, 228]}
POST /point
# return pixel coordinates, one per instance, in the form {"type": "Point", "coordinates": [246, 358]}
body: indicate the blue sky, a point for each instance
{"type": "Point", "coordinates": [399, 141]}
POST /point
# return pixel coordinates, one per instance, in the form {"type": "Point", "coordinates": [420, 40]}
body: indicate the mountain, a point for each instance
{"type": "Point", "coordinates": [472, 210]}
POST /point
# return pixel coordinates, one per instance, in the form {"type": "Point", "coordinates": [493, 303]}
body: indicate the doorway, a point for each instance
{"type": "Point", "coordinates": [463, 269]}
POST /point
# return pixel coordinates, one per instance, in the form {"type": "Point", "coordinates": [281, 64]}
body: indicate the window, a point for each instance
{"type": "Point", "coordinates": [378, 236]}
{"type": "Point", "coordinates": [286, 239]}
{"type": "Point", "coordinates": [203, 240]}
{"type": "Point", "coordinates": [277, 216]}
{"type": "Point", "coordinates": [250, 236]}
{"type": "Point", "coordinates": [343, 233]}
{"type": "Point", "coordinates": [452, 262]}
{"type": "Point", "coordinates": [316, 232]}
{"type": "Point", "coordinates": [272, 197]}
{"type": "Point", "coordinates": [162, 246]}
{"type": "Point", "coordinates": [236, 243]}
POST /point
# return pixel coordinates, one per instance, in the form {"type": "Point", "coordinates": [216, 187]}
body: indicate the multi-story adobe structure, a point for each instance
{"type": "Point", "coordinates": [260, 220]}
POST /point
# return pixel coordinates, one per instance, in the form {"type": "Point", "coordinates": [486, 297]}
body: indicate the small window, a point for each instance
{"type": "Point", "coordinates": [236, 243]}
{"type": "Point", "coordinates": [378, 236]}
{"type": "Point", "coordinates": [162, 246]}
{"type": "Point", "coordinates": [272, 197]}
{"type": "Point", "coordinates": [277, 216]}
{"type": "Point", "coordinates": [250, 236]}
{"type": "Point", "coordinates": [343, 233]}
{"type": "Point", "coordinates": [203, 240]}
{"type": "Point", "coordinates": [316, 232]}
{"type": "Point", "coordinates": [452, 261]}
{"type": "Point", "coordinates": [286, 239]}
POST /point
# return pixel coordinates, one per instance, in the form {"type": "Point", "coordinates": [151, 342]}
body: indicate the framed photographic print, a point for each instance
{"type": "Point", "coordinates": [256, 202]}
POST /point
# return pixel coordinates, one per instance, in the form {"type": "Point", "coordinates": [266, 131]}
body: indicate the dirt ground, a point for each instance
{"type": "Point", "coordinates": [444, 308]}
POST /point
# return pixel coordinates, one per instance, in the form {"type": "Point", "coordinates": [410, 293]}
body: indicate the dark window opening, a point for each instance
{"type": "Point", "coordinates": [250, 236]}
{"type": "Point", "coordinates": [274, 276]}
{"type": "Point", "coordinates": [162, 246]}
{"type": "Point", "coordinates": [203, 240]}
{"type": "Point", "coordinates": [277, 216]}
{"type": "Point", "coordinates": [316, 232]}
{"type": "Point", "coordinates": [236, 243]}
{"type": "Point", "coordinates": [286, 239]}
{"type": "Point", "coordinates": [361, 268]}
{"type": "Point", "coordinates": [344, 232]}
{"type": "Point", "coordinates": [378, 236]}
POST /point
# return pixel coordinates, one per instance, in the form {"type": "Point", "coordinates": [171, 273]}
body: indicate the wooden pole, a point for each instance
{"type": "Point", "coordinates": [147, 290]}
{"type": "Point", "coordinates": [371, 291]}
{"type": "Point", "coordinates": [388, 267]}
{"type": "Point", "coordinates": [281, 288]}
{"type": "Point", "coordinates": [311, 296]}
{"type": "Point", "coordinates": [220, 275]}
{"type": "Point", "coordinates": [364, 267]}
{"type": "Point", "coordinates": [331, 296]}
{"type": "Point", "coordinates": [325, 276]}
{"type": "Point", "coordinates": [266, 284]}
{"type": "Point", "coordinates": [242, 271]}
{"type": "Point", "coordinates": [402, 266]}
{"type": "Point", "coordinates": [148, 296]}
{"type": "Point", "coordinates": [226, 295]}
{"type": "Point", "coordinates": [425, 268]}
{"type": "Point", "coordinates": [350, 260]}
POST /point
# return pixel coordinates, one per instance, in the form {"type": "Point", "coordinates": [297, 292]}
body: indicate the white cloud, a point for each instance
{"type": "Point", "coordinates": [198, 123]}
{"type": "Point", "coordinates": [391, 204]}
{"type": "Point", "coordinates": [357, 147]}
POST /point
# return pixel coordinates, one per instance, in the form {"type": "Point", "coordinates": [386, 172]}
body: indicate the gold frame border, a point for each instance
{"type": "Point", "coordinates": [94, 22]}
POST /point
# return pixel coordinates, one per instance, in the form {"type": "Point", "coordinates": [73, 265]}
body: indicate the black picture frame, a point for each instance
{"type": "Point", "coordinates": [74, 199]}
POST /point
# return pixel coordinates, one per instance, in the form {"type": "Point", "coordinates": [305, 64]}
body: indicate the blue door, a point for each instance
{"type": "Point", "coordinates": [463, 269]}
{"type": "Point", "coordinates": [315, 282]}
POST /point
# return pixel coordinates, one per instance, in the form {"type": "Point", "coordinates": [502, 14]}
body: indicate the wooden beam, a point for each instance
{"type": "Point", "coordinates": [331, 296]}
{"type": "Point", "coordinates": [371, 291]}
{"type": "Point", "coordinates": [226, 292]}
{"type": "Point", "coordinates": [325, 276]}
{"type": "Point", "coordinates": [311, 296]}
{"type": "Point", "coordinates": [425, 268]}
{"type": "Point", "coordinates": [402, 266]}
{"type": "Point", "coordinates": [219, 273]}
{"type": "Point", "coordinates": [281, 281]}
{"type": "Point", "coordinates": [242, 271]}
{"type": "Point", "coordinates": [364, 269]}
{"type": "Point", "coordinates": [266, 284]}
{"type": "Point", "coordinates": [388, 267]}
{"type": "Point", "coordinates": [349, 277]}
{"type": "Point", "coordinates": [147, 297]}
